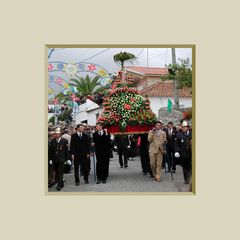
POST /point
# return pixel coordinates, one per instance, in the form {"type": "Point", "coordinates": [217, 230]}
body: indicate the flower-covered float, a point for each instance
{"type": "Point", "coordinates": [125, 111]}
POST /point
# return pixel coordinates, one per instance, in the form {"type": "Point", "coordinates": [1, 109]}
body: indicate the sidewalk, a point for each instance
{"type": "Point", "coordinates": [128, 179]}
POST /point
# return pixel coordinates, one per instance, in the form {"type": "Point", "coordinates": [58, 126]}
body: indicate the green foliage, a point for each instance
{"type": "Point", "coordinates": [65, 115]}
{"type": "Point", "coordinates": [181, 72]}
{"type": "Point", "coordinates": [51, 120]}
{"type": "Point", "coordinates": [86, 86]}
{"type": "Point", "coordinates": [123, 57]}
{"type": "Point", "coordinates": [64, 98]}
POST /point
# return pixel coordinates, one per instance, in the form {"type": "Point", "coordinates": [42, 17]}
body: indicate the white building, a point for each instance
{"type": "Point", "coordinates": [87, 112]}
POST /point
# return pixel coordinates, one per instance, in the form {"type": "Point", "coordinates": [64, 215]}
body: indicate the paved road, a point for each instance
{"type": "Point", "coordinates": [128, 179]}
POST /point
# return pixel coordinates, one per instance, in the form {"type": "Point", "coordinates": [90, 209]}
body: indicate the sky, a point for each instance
{"type": "Point", "coordinates": [157, 57]}
{"type": "Point", "coordinates": [151, 57]}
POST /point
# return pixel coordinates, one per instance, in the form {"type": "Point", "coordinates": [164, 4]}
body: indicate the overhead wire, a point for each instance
{"type": "Point", "coordinates": [140, 53]}
{"type": "Point", "coordinates": [152, 57]}
{"type": "Point", "coordinates": [96, 54]}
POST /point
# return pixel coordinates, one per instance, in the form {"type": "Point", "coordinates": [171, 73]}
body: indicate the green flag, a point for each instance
{"type": "Point", "coordinates": [169, 105]}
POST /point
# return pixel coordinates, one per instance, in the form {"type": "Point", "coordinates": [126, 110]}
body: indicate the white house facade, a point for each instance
{"type": "Point", "coordinates": [162, 102]}
{"type": "Point", "coordinates": [87, 112]}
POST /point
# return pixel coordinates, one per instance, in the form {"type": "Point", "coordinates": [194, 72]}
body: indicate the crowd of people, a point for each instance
{"type": "Point", "coordinates": [71, 147]}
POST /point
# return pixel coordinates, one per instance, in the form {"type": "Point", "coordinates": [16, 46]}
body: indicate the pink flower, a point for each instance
{"type": "Point", "coordinates": [50, 67]}
{"type": "Point", "coordinates": [92, 67]}
{"type": "Point", "coordinates": [59, 80]}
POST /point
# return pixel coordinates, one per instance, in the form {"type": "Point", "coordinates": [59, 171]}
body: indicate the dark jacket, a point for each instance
{"type": "Point", "coordinates": [183, 144]}
{"type": "Point", "coordinates": [171, 139]}
{"type": "Point", "coordinates": [102, 143]}
{"type": "Point", "coordinates": [121, 141]}
{"type": "Point", "coordinates": [58, 151]}
{"type": "Point", "coordinates": [80, 146]}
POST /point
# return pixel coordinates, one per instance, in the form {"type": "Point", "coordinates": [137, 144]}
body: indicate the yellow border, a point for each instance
{"type": "Point", "coordinates": [193, 46]}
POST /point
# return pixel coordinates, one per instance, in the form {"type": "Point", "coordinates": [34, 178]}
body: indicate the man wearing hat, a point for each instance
{"type": "Point", "coordinates": [183, 150]}
{"type": "Point", "coordinates": [58, 155]}
{"type": "Point", "coordinates": [157, 148]}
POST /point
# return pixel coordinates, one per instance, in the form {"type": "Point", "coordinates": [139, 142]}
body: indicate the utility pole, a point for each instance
{"type": "Point", "coordinates": [176, 96]}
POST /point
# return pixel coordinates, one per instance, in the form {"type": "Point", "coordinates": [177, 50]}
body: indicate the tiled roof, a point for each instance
{"type": "Point", "coordinates": [165, 89]}
{"type": "Point", "coordinates": [149, 71]}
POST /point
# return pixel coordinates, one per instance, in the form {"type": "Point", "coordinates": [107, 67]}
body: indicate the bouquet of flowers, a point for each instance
{"type": "Point", "coordinates": [125, 107]}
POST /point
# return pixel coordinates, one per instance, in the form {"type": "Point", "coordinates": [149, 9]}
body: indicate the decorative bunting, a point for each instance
{"type": "Point", "coordinates": [50, 67]}
{"type": "Point", "coordinates": [102, 73]}
{"type": "Point", "coordinates": [92, 67]}
{"type": "Point", "coordinates": [59, 80]}
{"type": "Point", "coordinates": [65, 85]}
{"type": "Point", "coordinates": [71, 69]}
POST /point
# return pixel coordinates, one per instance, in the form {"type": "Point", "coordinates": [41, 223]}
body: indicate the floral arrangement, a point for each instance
{"type": "Point", "coordinates": [124, 107]}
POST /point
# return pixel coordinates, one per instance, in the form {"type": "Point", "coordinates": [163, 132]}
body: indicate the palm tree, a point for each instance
{"type": "Point", "coordinates": [123, 57]}
{"type": "Point", "coordinates": [65, 99]}
{"type": "Point", "coordinates": [86, 86]}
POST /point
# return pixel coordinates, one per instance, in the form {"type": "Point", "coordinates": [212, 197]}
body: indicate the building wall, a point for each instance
{"type": "Point", "coordinates": [86, 112]}
{"type": "Point", "coordinates": [148, 81]}
{"type": "Point", "coordinates": [152, 80]}
{"type": "Point", "coordinates": [159, 102]}
{"type": "Point", "coordinates": [90, 117]}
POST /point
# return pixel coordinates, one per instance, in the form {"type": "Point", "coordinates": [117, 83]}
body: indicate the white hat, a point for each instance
{"type": "Point", "coordinates": [185, 124]}
{"type": "Point", "coordinates": [58, 130]}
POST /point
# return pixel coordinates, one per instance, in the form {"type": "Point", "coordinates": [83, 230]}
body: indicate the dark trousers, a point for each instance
{"type": "Point", "coordinates": [171, 160]}
{"type": "Point", "coordinates": [123, 153]}
{"type": "Point", "coordinates": [59, 169]}
{"type": "Point", "coordinates": [50, 174]}
{"type": "Point", "coordinates": [84, 165]}
{"type": "Point", "coordinates": [145, 162]}
{"type": "Point", "coordinates": [187, 168]}
{"type": "Point", "coordinates": [102, 166]}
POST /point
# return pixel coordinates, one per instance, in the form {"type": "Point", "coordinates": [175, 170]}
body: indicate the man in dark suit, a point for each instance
{"type": "Point", "coordinates": [102, 144]}
{"type": "Point", "coordinates": [183, 150]}
{"type": "Point", "coordinates": [171, 135]}
{"type": "Point", "coordinates": [80, 152]}
{"type": "Point", "coordinates": [58, 155]}
{"type": "Point", "coordinates": [122, 143]}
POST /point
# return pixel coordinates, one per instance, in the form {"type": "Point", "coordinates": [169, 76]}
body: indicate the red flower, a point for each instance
{"type": "Point", "coordinates": [127, 106]}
